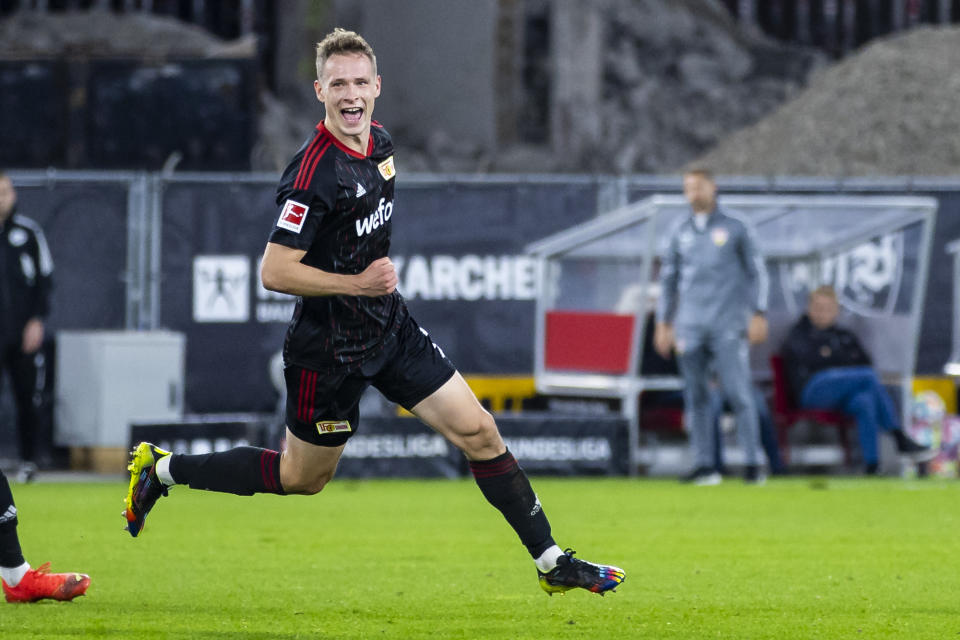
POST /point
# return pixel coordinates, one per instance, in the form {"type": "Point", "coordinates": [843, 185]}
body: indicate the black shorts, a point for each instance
{"type": "Point", "coordinates": [323, 408]}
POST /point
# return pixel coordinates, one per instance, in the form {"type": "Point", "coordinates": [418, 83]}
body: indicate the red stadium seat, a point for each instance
{"type": "Point", "coordinates": [787, 415]}
{"type": "Point", "coordinates": [589, 341]}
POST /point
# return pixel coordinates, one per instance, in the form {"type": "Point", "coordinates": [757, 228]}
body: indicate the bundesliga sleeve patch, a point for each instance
{"type": "Point", "coordinates": [293, 216]}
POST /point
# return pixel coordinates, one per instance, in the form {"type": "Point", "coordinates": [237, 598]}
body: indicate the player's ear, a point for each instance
{"type": "Point", "coordinates": [318, 89]}
{"type": "Point", "coordinates": [377, 85]}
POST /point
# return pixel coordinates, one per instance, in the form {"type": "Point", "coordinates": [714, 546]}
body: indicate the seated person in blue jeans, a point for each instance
{"type": "Point", "coordinates": [827, 368]}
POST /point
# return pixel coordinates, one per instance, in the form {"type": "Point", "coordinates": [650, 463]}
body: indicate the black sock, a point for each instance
{"type": "Point", "coordinates": [241, 470]}
{"type": "Point", "coordinates": [505, 486]}
{"type": "Point", "coordinates": [10, 553]}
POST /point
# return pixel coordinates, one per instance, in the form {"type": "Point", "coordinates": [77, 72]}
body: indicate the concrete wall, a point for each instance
{"type": "Point", "coordinates": [437, 63]}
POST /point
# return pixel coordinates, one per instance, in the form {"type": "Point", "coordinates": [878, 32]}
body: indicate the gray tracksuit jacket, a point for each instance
{"type": "Point", "coordinates": [712, 278]}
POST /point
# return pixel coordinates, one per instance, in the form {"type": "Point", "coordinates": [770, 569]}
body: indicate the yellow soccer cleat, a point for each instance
{"type": "Point", "coordinates": [145, 486]}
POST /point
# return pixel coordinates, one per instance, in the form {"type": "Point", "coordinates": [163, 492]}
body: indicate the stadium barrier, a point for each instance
{"type": "Point", "coordinates": [138, 250]}
{"type": "Point", "coordinates": [404, 447]}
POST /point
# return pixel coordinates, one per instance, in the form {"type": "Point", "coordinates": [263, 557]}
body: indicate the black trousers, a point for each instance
{"type": "Point", "coordinates": [27, 375]}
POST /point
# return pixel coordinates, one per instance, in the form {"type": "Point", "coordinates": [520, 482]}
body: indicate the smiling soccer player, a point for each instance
{"type": "Point", "coordinates": [351, 329]}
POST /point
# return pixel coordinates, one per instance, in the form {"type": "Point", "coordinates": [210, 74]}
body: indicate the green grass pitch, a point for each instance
{"type": "Point", "coordinates": [797, 558]}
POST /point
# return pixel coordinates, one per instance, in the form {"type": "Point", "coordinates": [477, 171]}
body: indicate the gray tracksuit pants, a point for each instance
{"type": "Point", "coordinates": [701, 353]}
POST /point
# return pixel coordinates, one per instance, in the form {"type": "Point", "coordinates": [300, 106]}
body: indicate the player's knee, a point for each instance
{"type": "Point", "coordinates": [696, 396]}
{"type": "Point", "coordinates": [740, 402]}
{"type": "Point", "coordinates": [481, 434]}
{"type": "Point", "coordinates": [860, 403]}
{"type": "Point", "coordinates": [306, 484]}
{"type": "Point", "coordinates": [307, 488]}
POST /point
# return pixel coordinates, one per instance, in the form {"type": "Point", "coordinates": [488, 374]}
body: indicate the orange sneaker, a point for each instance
{"type": "Point", "coordinates": [39, 583]}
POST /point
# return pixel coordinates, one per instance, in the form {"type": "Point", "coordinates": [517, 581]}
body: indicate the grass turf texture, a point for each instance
{"type": "Point", "coordinates": [797, 558]}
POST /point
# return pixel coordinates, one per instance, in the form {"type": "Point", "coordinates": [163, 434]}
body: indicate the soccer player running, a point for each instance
{"type": "Point", "coordinates": [351, 329]}
{"type": "Point", "coordinates": [21, 583]}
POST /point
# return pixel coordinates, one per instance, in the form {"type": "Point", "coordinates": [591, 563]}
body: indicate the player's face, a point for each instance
{"type": "Point", "coordinates": [700, 192]}
{"type": "Point", "coordinates": [823, 311]}
{"type": "Point", "coordinates": [348, 89]}
{"type": "Point", "coordinates": [8, 198]}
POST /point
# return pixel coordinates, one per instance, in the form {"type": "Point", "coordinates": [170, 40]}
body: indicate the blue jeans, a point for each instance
{"type": "Point", "coordinates": [856, 391]}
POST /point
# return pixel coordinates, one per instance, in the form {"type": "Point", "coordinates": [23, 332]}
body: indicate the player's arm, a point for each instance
{"type": "Point", "coordinates": [756, 269]}
{"type": "Point", "coordinates": [39, 302]}
{"type": "Point", "coordinates": [282, 270]}
{"type": "Point", "coordinates": [663, 334]}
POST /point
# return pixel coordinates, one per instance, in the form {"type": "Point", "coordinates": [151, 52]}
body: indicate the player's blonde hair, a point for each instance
{"type": "Point", "coordinates": [341, 41]}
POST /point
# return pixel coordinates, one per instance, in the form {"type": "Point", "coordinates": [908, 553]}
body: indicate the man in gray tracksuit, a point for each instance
{"type": "Point", "coordinates": [712, 302]}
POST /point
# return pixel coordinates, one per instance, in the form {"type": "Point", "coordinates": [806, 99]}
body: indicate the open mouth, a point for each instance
{"type": "Point", "coordinates": [352, 115]}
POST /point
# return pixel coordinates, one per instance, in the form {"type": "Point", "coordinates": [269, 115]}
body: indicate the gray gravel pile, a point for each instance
{"type": "Point", "coordinates": [103, 34]}
{"type": "Point", "coordinates": [680, 75]}
{"type": "Point", "coordinates": [891, 109]}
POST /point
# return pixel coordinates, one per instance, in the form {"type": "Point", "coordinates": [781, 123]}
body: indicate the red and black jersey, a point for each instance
{"type": "Point", "coordinates": [337, 205]}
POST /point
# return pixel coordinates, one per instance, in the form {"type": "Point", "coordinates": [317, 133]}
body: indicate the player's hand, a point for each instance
{"type": "Point", "coordinates": [32, 336]}
{"type": "Point", "coordinates": [663, 339]}
{"type": "Point", "coordinates": [378, 279]}
{"type": "Point", "coordinates": [757, 329]}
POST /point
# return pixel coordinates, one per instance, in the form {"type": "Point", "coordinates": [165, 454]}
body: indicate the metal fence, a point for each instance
{"type": "Point", "coordinates": [141, 250]}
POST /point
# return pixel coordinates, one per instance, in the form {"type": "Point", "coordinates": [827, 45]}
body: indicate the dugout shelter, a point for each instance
{"type": "Point", "coordinates": [952, 367]}
{"type": "Point", "coordinates": [598, 285]}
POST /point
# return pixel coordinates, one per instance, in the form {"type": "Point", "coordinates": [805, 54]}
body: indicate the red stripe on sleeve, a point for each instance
{"type": "Point", "coordinates": [305, 160]}
{"type": "Point", "coordinates": [307, 177]}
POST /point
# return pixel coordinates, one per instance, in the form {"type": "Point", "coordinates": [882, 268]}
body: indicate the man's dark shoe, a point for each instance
{"type": "Point", "coordinates": [913, 450]}
{"type": "Point", "coordinates": [571, 573]}
{"type": "Point", "coordinates": [753, 474]}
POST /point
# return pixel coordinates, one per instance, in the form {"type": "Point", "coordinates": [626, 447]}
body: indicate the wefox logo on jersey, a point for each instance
{"type": "Point", "coordinates": [379, 217]}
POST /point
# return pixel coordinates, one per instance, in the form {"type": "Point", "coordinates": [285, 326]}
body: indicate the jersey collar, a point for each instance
{"type": "Point", "coordinates": [339, 145]}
